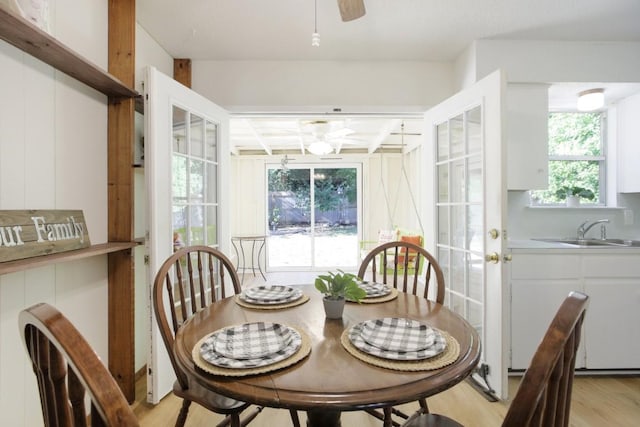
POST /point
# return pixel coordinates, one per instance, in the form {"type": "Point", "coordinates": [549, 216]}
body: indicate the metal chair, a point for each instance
{"type": "Point", "coordinates": [544, 395]}
{"type": "Point", "coordinates": [68, 369]}
{"type": "Point", "coordinates": [402, 264]}
{"type": "Point", "coordinates": [189, 281]}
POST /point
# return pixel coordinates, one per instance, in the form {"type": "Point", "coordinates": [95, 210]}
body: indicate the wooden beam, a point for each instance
{"type": "Point", "coordinates": [182, 71]}
{"type": "Point", "coordinates": [120, 137]}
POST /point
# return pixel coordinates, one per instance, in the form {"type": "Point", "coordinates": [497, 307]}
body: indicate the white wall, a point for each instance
{"type": "Point", "coordinates": [299, 85]}
{"type": "Point", "coordinates": [53, 134]}
{"type": "Point", "coordinates": [553, 61]}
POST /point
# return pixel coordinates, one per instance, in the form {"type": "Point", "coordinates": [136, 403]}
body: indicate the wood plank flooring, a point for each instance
{"type": "Point", "coordinates": [597, 400]}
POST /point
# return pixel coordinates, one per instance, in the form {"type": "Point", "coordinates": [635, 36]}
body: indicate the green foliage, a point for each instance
{"type": "Point", "coordinates": [340, 285]}
{"type": "Point", "coordinates": [572, 136]}
{"type": "Point", "coordinates": [564, 192]}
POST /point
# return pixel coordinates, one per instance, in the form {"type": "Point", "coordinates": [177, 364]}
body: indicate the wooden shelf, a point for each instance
{"type": "Point", "coordinates": [28, 263]}
{"type": "Point", "coordinates": [41, 45]}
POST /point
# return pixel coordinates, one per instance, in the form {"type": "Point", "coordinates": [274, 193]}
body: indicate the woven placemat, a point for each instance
{"type": "Point", "coordinates": [388, 297]}
{"type": "Point", "coordinates": [303, 351]}
{"type": "Point", "coordinates": [301, 300]}
{"type": "Point", "coordinates": [447, 357]}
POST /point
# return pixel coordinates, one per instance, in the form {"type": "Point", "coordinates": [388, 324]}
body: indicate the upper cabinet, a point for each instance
{"type": "Point", "coordinates": [628, 139]}
{"type": "Point", "coordinates": [527, 136]}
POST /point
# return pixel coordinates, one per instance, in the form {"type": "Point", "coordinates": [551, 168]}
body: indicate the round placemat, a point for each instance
{"type": "Point", "coordinates": [303, 351]}
{"type": "Point", "coordinates": [389, 297]}
{"type": "Point", "coordinates": [447, 357]}
{"type": "Point", "coordinates": [301, 300]}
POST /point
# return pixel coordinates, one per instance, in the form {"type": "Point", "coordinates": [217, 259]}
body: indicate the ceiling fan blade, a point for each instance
{"type": "Point", "coordinates": [351, 9]}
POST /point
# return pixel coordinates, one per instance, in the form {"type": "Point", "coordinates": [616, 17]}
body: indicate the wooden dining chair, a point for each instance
{"type": "Point", "coordinates": [67, 370]}
{"type": "Point", "coordinates": [188, 281]}
{"type": "Point", "coordinates": [407, 267]}
{"type": "Point", "coordinates": [544, 395]}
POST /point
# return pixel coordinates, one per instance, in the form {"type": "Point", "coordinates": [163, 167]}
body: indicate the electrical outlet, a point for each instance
{"type": "Point", "coordinates": [628, 217]}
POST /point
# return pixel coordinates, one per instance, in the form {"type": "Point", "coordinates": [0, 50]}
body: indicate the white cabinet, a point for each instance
{"type": "Point", "coordinates": [539, 283]}
{"type": "Point", "coordinates": [628, 139]}
{"type": "Point", "coordinates": [540, 280]}
{"type": "Point", "coordinates": [527, 136]}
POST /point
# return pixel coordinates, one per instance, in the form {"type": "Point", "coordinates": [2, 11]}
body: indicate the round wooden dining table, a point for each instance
{"type": "Point", "coordinates": [330, 379]}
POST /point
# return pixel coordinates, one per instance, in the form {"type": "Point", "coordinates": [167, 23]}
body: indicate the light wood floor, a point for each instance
{"type": "Point", "coordinates": [597, 400]}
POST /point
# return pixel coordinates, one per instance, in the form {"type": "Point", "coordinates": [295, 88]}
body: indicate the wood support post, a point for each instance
{"type": "Point", "coordinates": [182, 71]}
{"type": "Point", "coordinates": [120, 136]}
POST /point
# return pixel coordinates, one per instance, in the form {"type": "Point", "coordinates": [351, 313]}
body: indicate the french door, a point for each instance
{"type": "Point", "coordinates": [185, 161]}
{"type": "Point", "coordinates": [312, 219]}
{"type": "Point", "coordinates": [466, 133]}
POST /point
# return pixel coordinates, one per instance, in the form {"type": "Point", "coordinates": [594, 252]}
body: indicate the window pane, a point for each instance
{"type": "Point", "coordinates": [179, 130]}
{"type": "Point", "coordinates": [443, 141]}
{"type": "Point", "coordinates": [211, 146]}
{"type": "Point", "coordinates": [179, 181]}
{"type": "Point", "coordinates": [196, 136]}
{"type": "Point", "coordinates": [574, 134]}
{"type": "Point", "coordinates": [457, 137]}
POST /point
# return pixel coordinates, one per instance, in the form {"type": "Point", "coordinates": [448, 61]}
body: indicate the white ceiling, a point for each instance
{"type": "Point", "coordinates": [420, 30]}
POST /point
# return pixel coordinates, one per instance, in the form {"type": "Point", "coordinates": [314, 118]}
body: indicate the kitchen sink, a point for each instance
{"type": "Point", "coordinates": [594, 242]}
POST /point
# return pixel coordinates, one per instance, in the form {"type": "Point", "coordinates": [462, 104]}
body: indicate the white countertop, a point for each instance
{"type": "Point", "coordinates": [537, 244]}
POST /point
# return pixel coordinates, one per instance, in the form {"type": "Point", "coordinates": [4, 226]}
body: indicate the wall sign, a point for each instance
{"type": "Point", "coordinates": [31, 233]}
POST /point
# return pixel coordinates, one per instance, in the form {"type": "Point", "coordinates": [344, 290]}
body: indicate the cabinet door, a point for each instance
{"type": "Point", "coordinates": [628, 128]}
{"type": "Point", "coordinates": [612, 324]}
{"type": "Point", "coordinates": [533, 305]}
{"type": "Point", "coordinates": [527, 136]}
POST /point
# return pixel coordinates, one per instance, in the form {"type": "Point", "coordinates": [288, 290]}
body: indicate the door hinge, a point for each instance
{"type": "Point", "coordinates": [146, 259]}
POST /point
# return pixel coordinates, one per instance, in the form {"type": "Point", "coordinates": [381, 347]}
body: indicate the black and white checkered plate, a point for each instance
{"type": "Point", "coordinates": [375, 290]}
{"type": "Point", "coordinates": [292, 344]}
{"type": "Point", "coordinates": [397, 334]}
{"type": "Point", "coordinates": [271, 294]}
{"type": "Point", "coordinates": [251, 340]}
{"type": "Point", "coordinates": [357, 339]}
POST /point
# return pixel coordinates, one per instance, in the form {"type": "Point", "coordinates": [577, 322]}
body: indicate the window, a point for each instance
{"type": "Point", "coordinates": [576, 157]}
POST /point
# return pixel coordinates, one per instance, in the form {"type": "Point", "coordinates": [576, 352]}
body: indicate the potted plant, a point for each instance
{"type": "Point", "coordinates": [337, 288]}
{"type": "Point", "coordinates": [574, 194]}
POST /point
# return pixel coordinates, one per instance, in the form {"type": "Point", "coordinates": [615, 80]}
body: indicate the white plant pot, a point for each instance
{"type": "Point", "coordinates": [573, 201]}
{"type": "Point", "coordinates": [333, 308]}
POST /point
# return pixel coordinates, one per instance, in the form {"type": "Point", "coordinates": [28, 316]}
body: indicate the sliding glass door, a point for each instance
{"type": "Point", "coordinates": [312, 216]}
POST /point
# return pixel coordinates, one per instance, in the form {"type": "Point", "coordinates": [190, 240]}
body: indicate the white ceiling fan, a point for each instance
{"type": "Point", "coordinates": [327, 136]}
{"type": "Point", "coordinates": [351, 9]}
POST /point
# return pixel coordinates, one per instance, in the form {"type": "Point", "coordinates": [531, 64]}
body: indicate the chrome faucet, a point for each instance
{"type": "Point", "coordinates": [586, 226]}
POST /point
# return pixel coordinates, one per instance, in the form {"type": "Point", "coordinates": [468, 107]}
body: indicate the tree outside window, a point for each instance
{"type": "Point", "coordinates": [576, 157]}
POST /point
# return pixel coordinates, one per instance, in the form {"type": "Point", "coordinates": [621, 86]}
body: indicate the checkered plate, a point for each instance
{"type": "Point", "coordinates": [375, 290]}
{"type": "Point", "coordinates": [271, 294]}
{"type": "Point", "coordinates": [210, 355]}
{"type": "Point", "coordinates": [356, 338]}
{"type": "Point", "coordinates": [392, 333]}
{"type": "Point", "coordinates": [251, 340]}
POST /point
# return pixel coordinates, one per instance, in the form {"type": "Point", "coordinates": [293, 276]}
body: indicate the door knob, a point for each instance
{"type": "Point", "coordinates": [507, 258]}
{"type": "Point", "coordinates": [492, 257]}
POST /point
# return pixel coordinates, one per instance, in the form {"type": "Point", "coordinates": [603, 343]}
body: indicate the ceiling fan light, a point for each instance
{"type": "Point", "coordinates": [315, 39]}
{"type": "Point", "coordinates": [320, 148]}
{"type": "Point", "coordinates": [590, 100]}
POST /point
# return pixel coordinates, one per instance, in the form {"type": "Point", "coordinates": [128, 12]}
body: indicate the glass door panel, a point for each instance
{"type": "Point", "coordinates": [312, 217]}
